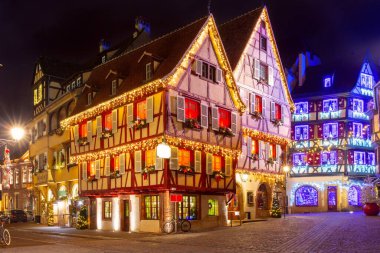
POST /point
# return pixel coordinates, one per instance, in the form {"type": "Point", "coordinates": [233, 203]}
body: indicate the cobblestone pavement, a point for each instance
{"type": "Point", "coordinates": [324, 232]}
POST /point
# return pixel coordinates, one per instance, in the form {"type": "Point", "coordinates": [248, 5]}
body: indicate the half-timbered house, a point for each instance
{"type": "Point", "coordinates": [179, 89]}
{"type": "Point", "coordinates": [331, 151]}
{"type": "Point", "coordinates": [252, 52]}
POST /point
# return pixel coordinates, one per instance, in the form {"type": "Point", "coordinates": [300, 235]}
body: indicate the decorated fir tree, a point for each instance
{"type": "Point", "coordinates": [50, 214]}
{"type": "Point", "coordinates": [276, 210]}
{"type": "Point", "coordinates": [82, 218]}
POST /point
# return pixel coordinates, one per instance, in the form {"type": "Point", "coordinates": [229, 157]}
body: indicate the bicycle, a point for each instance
{"type": "Point", "coordinates": [184, 225]}
{"type": "Point", "coordinates": [5, 236]}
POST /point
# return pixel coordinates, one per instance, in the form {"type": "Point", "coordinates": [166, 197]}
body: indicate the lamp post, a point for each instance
{"type": "Point", "coordinates": [286, 170]}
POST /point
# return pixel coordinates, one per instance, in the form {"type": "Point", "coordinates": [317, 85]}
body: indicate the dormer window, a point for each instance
{"type": "Point", "coordinates": [113, 87]}
{"type": "Point", "coordinates": [103, 59]}
{"type": "Point", "coordinates": [263, 43]}
{"type": "Point", "coordinates": [366, 80]}
{"type": "Point", "coordinates": [78, 81]}
{"type": "Point", "coordinates": [89, 98]}
{"type": "Point", "coordinates": [148, 71]}
{"type": "Point", "coordinates": [327, 82]}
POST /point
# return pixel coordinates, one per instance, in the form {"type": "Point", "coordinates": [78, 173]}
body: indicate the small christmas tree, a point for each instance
{"type": "Point", "coordinates": [82, 218]}
{"type": "Point", "coordinates": [276, 210]}
{"type": "Point", "coordinates": [50, 214]}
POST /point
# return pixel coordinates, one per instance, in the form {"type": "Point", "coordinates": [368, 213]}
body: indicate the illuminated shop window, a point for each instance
{"type": "Point", "coordinates": [354, 196]}
{"type": "Point", "coordinates": [359, 157]}
{"type": "Point", "coordinates": [188, 208]}
{"type": "Point", "coordinates": [152, 203]}
{"type": "Point", "coordinates": [306, 196]}
{"type": "Point", "coordinates": [371, 158]}
{"type": "Point", "coordinates": [357, 130]}
{"type": "Point", "coordinates": [107, 210]}
{"type": "Point", "coordinates": [212, 207]}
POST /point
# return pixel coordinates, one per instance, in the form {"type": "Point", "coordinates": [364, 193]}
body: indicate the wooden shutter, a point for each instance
{"type": "Point", "coordinates": [174, 158]}
{"type": "Point", "coordinates": [198, 161]}
{"type": "Point", "coordinates": [283, 108]}
{"type": "Point", "coordinates": [263, 107]}
{"type": "Point", "coordinates": [249, 146]}
{"type": "Point", "coordinates": [252, 103]}
{"type": "Point", "coordinates": [114, 121]}
{"type": "Point", "coordinates": [130, 116]}
{"type": "Point", "coordinates": [209, 160]}
{"type": "Point", "coordinates": [89, 131]}
{"type": "Point", "coordinates": [122, 163]}
{"type": "Point", "coordinates": [159, 162]}
{"type": "Point", "coordinates": [99, 126]}
{"type": "Point", "coordinates": [267, 151]}
{"type": "Point", "coordinates": [198, 67]}
{"type": "Point", "coordinates": [84, 170]}
{"type": "Point", "coordinates": [204, 116]}
{"type": "Point", "coordinates": [218, 75]}
{"type": "Point", "coordinates": [272, 111]}
{"type": "Point", "coordinates": [256, 71]}
{"type": "Point", "coordinates": [149, 109]}
{"type": "Point", "coordinates": [97, 169]}
{"type": "Point", "coordinates": [180, 109]}
{"type": "Point", "coordinates": [76, 133]}
{"type": "Point", "coordinates": [234, 123]}
{"type": "Point", "coordinates": [228, 167]}
{"type": "Point", "coordinates": [278, 153]}
{"type": "Point", "coordinates": [215, 118]}
{"type": "Point", "coordinates": [261, 149]}
{"type": "Point", "coordinates": [107, 166]}
{"type": "Point", "coordinates": [270, 76]}
{"type": "Point", "coordinates": [138, 164]}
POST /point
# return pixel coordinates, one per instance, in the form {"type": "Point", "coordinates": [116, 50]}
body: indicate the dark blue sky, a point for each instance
{"type": "Point", "coordinates": [337, 30]}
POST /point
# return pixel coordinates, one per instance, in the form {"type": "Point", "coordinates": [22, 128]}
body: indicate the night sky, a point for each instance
{"type": "Point", "coordinates": [339, 31]}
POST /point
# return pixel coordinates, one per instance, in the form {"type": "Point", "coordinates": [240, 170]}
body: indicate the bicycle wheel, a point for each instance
{"type": "Point", "coordinates": [6, 237]}
{"type": "Point", "coordinates": [168, 227]}
{"type": "Point", "coordinates": [185, 226]}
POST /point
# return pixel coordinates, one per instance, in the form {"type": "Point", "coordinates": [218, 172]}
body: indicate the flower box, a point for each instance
{"type": "Point", "coordinates": [107, 133]}
{"type": "Point", "coordinates": [91, 178]}
{"type": "Point", "coordinates": [115, 174]}
{"type": "Point", "coordinates": [277, 122]}
{"type": "Point", "coordinates": [257, 115]}
{"type": "Point", "coordinates": [148, 170]}
{"type": "Point", "coordinates": [82, 141]}
{"type": "Point", "coordinates": [186, 170]}
{"type": "Point", "coordinates": [218, 175]}
{"type": "Point", "coordinates": [193, 124]}
{"type": "Point", "coordinates": [271, 161]}
{"type": "Point", "coordinates": [225, 131]}
{"type": "Point", "coordinates": [140, 123]}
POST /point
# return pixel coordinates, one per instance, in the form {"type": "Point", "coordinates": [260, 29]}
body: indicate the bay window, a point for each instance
{"type": "Point", "coordinates": [302, 108]}
{"type": "Point", "coordinates": [299, 159]}
{"type": "Point", "coordinates": [151, 210]}
{"type": "Point", "coordinates": [358, 105]}
{"type": "Point", "coordinates": [329, 158]}
{"type": "Point", "coordinates": [330, 105]}
{"type": "Point", "coordinates": [187, 209]}
{"type": "Point", "coordinates": [359, 157]}
{"type": "Point", "coordinates": [301, 132]}
{"type": "Point", "coordinates": [224, 118]}
{"type": "Point", "coordinates": [357, 130]}
{"type": "Point", "coordinates": [330, 130]}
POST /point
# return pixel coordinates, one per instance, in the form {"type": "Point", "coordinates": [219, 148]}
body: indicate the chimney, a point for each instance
{"type": "Point", "coordinates": [301, 69]}
{"type": "Point", "coordinates": [104, 45]}
{"type": "Point", "coordinates": [141, 25]}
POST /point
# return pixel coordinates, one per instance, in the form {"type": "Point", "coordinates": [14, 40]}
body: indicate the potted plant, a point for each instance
{"type": "Point", "coordinates": [277, 122]}
{"type": "Point", "coordinates": [270, 161]}
{"type": "Point", "coordinates": [106, 133]}
{"type": "Point", "coordinates": [147, 170]}
{"type": "Point", "coordinates": [226, 131]}
{"type": "Point", "coordinates": [257, 115]}
{"type": "Point", "coordinates": [140, 123]}
{"type": "Point", "coordinates": [192, 123]}
{"type": "Point", "coordinates": [185, 170]}
{"type": "Point", "coordinates": [115, 174]}
{"type": "Point", "coordinates": [218, 175]}
{"type": "Point", "coordinates": [370, 201]}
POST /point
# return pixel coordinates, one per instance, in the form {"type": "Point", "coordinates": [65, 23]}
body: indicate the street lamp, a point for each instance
{"type": "Point", "coordinates": [163, 149]}
{"type": "Point", "coordinates": [286, 169]}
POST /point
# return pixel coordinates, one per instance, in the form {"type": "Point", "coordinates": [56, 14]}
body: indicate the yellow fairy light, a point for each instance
{"type": "Point", "coordinates": [255, 134]}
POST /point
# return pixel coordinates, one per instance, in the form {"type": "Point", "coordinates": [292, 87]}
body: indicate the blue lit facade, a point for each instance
{"type": "Point", "coordinates": [331, 149]}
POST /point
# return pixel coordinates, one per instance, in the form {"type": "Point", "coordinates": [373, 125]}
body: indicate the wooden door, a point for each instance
{"type": "Point", "coordinates": [126, 215]}
{"type": "Point", "coordinates": [332, 198]}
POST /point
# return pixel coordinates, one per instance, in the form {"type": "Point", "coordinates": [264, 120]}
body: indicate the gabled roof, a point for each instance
{"type": "Point", "coordinates": [56, 68]}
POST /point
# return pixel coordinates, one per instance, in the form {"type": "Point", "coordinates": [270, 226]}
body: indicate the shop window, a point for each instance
{"type": "Point", "coordinates": [141, 110]}
{"type": "Point", "coordinates": [329, 158]}
{"type": "Point", "coordinates": [183, 157]}
{"type": "Point", "coordinates": [330, 105]}
{"type": "Point", "coordinates": [300, 159]}
{"type": "Point", "coordinates": [108, 121]}
{"type": "Point", "coordinates": [83, 130]}
{"type": "Point", "coordinates": [107, 210]}
{"type": "Point", "coordinates": [330, 130]}
{"type": "Point", "coordinates": [191, 109]}
{"type": "Point", "coordinates": [188, 208]}
{"type": "Point", "coordinates": [354, 196]}
{"type": "Point", "coordinates": [301, 132]}
{"type": "Point", "coordinates": [306, 196]}
{"type": "Point", "coordinates": [152, 203]}
{"type": "Point", "coordinates": [217, 163]}
{"type": "Point", "coordinates": [224, 118]}
{"type": "Point", "coordinates": [358, 105]}
{"type": "Point", "coordinates": [212, 207]}
{"type": "Point", "coordinates": [359, 157]}
{"type": "Point", "coordinates": [150, 158]}
{"type": "Point", "coordinates": [301, 108]}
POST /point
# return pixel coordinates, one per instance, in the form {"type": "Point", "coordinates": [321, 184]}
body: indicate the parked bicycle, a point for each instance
{"type": "Point", "coordinates": [5, 236]}
{"type": "Point", "coordinates": [184, 225]}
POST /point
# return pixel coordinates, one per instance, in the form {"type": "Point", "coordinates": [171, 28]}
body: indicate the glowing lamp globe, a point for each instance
{"type": "Point", "coordinates": [17, 133]}
{"type": "Point", "coordinates": [163, 150]}
{"type": "Point", "coordinates": [286, 168]}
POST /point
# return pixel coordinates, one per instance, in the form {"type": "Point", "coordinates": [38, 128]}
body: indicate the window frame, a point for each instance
{"type": "Point", "coordinates": [368, 83]}
{"type": "Point", "coordinates": [188, 198]}
{"type": "Point", "coordinates": [215, 162]}
{"type": "Point", "coordinates": [356, 125]}
{"type": "Point", "coordinates": [89, 98]}
{"type": "Point", "coordinates": [113, 87]}
{"type": "Point", "coordinates": [181, 157]}
{"type": "Point", "coordinates": [107, 215]}
{"type": "Point", "coordinates": [263, 38]}
{"type": "Point", "coordinates": [330, 124]}
{"type": "Point", "coordinates": [150, 157]}
{"type": "Point", "coordinates": [197, 112]}
{"type": "Point", "coordinates": [137, 110]}
{"type": "Point", "coordinates": [361, 102]}
{"type": "Point", "coordinates": [223, 120]}
{"type": "Point", "coordinates": [331, 157]}
{"type": "Point", "coordinates": [151, 207]}
{"type": "Point", "coordinates": [373, 158]}
{"type": "Point", "coordinates": [83, 129]}
{"type": "Point", "coordinates": [264, 67]}
{"type": "Point", "coordinates": [300, 157]}
{"type": "Point", "coordinates": [302, 132]}
{"type": "Point", "coordinates": [327, 81]}
{"type": "Point", "coordinates": [148, 71]}
{"type": "Point", "coordinates": [328, 105]}
{"type": "Point", "coordinates": [362, 156]}
{"type": "Point", "coordinates": [303, 105]}
{"type": "Point", "coordinates": [105, 122]}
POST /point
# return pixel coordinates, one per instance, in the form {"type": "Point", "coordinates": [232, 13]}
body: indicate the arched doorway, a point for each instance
{"type": "Point", "coordinates": [263, 201]}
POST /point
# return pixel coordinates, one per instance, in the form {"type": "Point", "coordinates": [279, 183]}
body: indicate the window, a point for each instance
{"type": "Point", "coordinates": [272, 151]}
{"type": "Point", "coordinates": [306, 196]}
{"type": "Point", "coordinates": [259, 104]}
{"type": "Point", "coordinates": [11, 177]}
{"type": "Point", "coordinates": [263, 72]}
{"type": "Point", "coordinates": [24, 175]}
{"type": "Point", "coordinates": [366, 80]}
{"type": "Point", "coordinates": [300, 159]}
{"type": "Point", "coordinates": [83, 130]}
{"type": "Point", "coordinates": [91, 168]}
{"type": "Point", "coordinates": [78, 81]}
{"type": "Point", "coordinates": [358, 105]}
{"type": "Point", "coordinates": [301, 132]}
{"type": "Point", "coordinates": [263, 43]}
{"type": "Point", "coordinates": [330, 105]}
{"type": "Point", "coordinates": [108, 121]}
{"type": "Point", "coordinates": [329, 158]}
{"type": "Point", "coordinates": [183, 157]}
{"type": "Point", "coordinates": [224, 118]}
{"type": "Point", "coordinates": [255, 147]}
{"type": "Point", "coordinates": [188, 208]}
{"type": "Point", "coordinates": [115, 163]}
{"type": "Point", "coordinates": [371, 158]}
{"type": "Point", "coordinates": [276, 113]}
{"type": "Point", "coordinates": [148, 71]}
{"type": "Point", "coordinates": [89, 98]}
{"type": "Point", "coordinates": [107, 210]}
{"type": "Point", "coordinates": [217, 163]}
{"type": "Point", "coordinates": [327, 82]}
{"type": "Point", "coordinates": [30, 175]}
{"type": "Point", "coordinates": [191, 109]}
{"type": "Point", "coordinates": [17, 176]}
{"type": "Point", "coordinates": [205, 70]}
{"type": "Point", "coordinates": [212, 73]}
{"type": "Point", "coordinates": [357, 130]}
{"type": "Point", "coordinates": [113, 87]}
{"type": "Point", "coordinates": [208, 71]}
{"type": "Point", "coordinates": [354, 196]}
{"type": "Point", "coordinates": [37, 94]}
{"type": "Point", "coordinates": [152, 204]}
{"type": "Point", "coordinates": [301, 108]}
{"type": "Point", "coordinates": [212, 207]}
{"type": "Point", "coordinates": [330, 130]}
{"type": "Point", "coordinates": [150, 157]}
{"type": "Point", "coordinates": [103, 59]}
{"type": "Point", "coordinates": [141, 110]}
{"type": "Point", "coordinates": [359, 157]}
